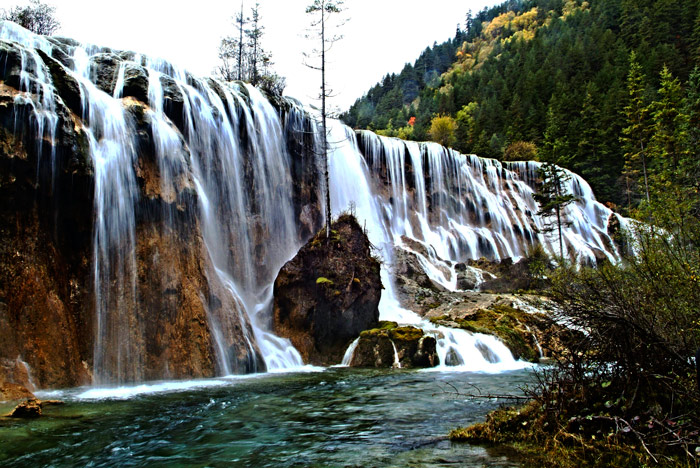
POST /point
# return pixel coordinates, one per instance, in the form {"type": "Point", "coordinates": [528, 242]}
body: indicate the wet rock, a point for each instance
{"type": "Point", "coordinates": [468, 279]}
{"type": "Point", "coordinates": [328, 294]}
{"type": "Point", "coordinates": [27, 409]}
{"type": "Point", "coordinates": [104, 69]}
{"type": "Point", "coordinates": [509, 276]}
{"type": "Point", "coordinates": [13, 391]}
{"type": "Point", "coordinates": [173, 102]}
{"type": "Point", "coordinates": [66, 86]}
{"type": "Point", "coordinates": [394, 346]}
{"type": "Point", "coordinates": [135, 82]}
{"type": "Point", "coordinates": [11, 59]}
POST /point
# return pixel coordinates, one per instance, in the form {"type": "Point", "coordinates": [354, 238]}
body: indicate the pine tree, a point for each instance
{"type": "Point", "coordinates": [231, 52]}
{"type": "Point", "coordinates": [552, 197]}
{"type": "Point", "coordinates": [636, 134]}
{"type": "Point", "coordinates": [256, 55]}
{"type": "Point", "coordinates": [669, 129]}
{"type": "Point", "coordinates": [692, 111]}
{"type": "Point", "coordinates": [692, 160]}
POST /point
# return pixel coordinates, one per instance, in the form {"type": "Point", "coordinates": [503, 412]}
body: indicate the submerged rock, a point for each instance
{"type": "Point", "coordinates": [27, 409]}
{"type": "Point", "coordinates": [394, 346]}
{"type": "Point", "coordinates": [328, 294]}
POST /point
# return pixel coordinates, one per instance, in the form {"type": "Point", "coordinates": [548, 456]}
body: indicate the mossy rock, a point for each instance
{"type": "Point", "coordinates": [506, 323]}
{"type": "Point", "coordinates": [406, 334]}
{"type": "Point", "coordinates": [380, 347]}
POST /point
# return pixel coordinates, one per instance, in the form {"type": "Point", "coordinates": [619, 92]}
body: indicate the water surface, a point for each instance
{"type": "Point", "coordinates": [336, 417]}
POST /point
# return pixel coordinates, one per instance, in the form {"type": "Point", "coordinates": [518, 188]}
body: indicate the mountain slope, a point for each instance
{"type": "Point", "coordinates": [551, 73]}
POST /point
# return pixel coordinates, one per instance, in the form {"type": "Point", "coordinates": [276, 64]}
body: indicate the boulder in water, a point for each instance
{"type": "Point", "coordinates": [27, 409]}
{"type": "Point", "coordinates": [328, 294]}
{"type": "Point", "coordinates": [394, 346]}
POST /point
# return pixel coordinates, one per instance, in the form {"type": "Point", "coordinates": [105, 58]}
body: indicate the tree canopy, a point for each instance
{"type": "Point", "coordinates": [551, 73]}
{"type": "Point", "coordinates": [36, 17]}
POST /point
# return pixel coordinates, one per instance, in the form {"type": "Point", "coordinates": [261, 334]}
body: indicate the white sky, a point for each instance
{"type": "Point", "coordinates": [379, 38]}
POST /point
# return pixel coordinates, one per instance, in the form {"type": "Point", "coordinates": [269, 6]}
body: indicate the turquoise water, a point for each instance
{"type": "Point", "coordinates": [335, 417]}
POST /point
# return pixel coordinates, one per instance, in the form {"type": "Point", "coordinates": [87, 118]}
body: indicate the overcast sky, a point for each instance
{"type": "Point", "coordinates": [379, 38]}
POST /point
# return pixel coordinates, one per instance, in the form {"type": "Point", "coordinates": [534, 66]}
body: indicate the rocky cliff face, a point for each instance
{"type": "Point", "coordinates": [328, 293]}
{"type": "Point", "coordinates": [153, 300]}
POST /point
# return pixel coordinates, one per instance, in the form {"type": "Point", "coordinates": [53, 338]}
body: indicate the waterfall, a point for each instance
{"type": "Point", "coordinates": [459, 207]}
{"type": "Point", "coordinates": [191, 168]}
{"type": "Point", "coordinates": [225, 143]}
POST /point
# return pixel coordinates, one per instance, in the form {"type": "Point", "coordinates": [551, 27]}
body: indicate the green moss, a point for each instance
{"type": "Point", "coordinates": [392, 331]}
{"type": "Point", "coordinates": [374, 332]}
{"type": "Point", "coordinates": [387, 325]}
{"type": "Point", "coordinates": [382, 330]}
{"type": "Point", "coordinates": [406, 334]}
{"type": "Point", "coordinates": [506, 323]}
{"type": "Point", "coordinates": [439, 319]}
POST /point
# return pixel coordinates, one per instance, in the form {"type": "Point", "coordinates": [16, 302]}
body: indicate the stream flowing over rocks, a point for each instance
{"type": "Point", "coordinates": [146, 213]}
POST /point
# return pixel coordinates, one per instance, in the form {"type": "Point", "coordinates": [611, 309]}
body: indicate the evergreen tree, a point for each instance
{"type": "Point", "coordinates": [692, 111]}
{"type": "Point", "coordinates": [636, 133]}
{"type": "Point", "coordinates": [552, 197]}
{"type": "Point", "coordinates": [231, 52]}
{"type": "Point", "coordinates": [256, 57]}
{"type": "Point", "coordinates": [668, 141]}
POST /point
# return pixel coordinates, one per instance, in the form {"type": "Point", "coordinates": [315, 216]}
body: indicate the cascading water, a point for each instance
{"type": "Point", "coordinates": [216, 158]}
{"type": "Point", "coordinates": [226, 144]}
{"type": "Point", "coordinates": [459, 207]}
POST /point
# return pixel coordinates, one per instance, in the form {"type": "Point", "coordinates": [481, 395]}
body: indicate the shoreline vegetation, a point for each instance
{"type": "Point", "coordinates": [624, 392]}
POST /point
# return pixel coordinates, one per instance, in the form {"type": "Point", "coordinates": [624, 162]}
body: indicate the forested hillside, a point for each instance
{"type": "Point", "coordinates": [584, 84]}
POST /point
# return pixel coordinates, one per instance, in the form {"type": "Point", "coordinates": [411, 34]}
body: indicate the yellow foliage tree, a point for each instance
{"type": "Point", "coordinates": [442, 130]}
{"type": "Point", "coordinates": [520, 151]}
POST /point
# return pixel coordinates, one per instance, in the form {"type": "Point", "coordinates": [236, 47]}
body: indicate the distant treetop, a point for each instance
{"type": "Point", "coordinates": [36, 17]}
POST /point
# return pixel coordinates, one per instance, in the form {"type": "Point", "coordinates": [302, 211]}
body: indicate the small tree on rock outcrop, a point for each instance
{"type": "Point", "coordinates": [552, 197]}
{"type": "Point", "coordinates": [243, 57]}
{"type": "Point", "coordinates": [322, 11]}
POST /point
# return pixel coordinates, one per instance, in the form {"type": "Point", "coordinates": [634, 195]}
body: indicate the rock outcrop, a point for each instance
{"type": "Point", "coordinates": [328, 294]}
{"type": "Point", "coordinates": [10, 391]}
{"type": "Point", "coordinates": [28, 409]}
{"type": "Point", "coordinates": [391, 346]}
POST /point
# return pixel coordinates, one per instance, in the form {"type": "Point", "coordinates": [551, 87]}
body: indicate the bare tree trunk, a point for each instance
{"type": "Point", "coordinates": [561, 243]}
{"type": "Point", "coordinates": [240, 44]}
{"type": "Point", "coordinates": [644, 167]}
{"type": "Point", "coordinates": [323, 119]}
